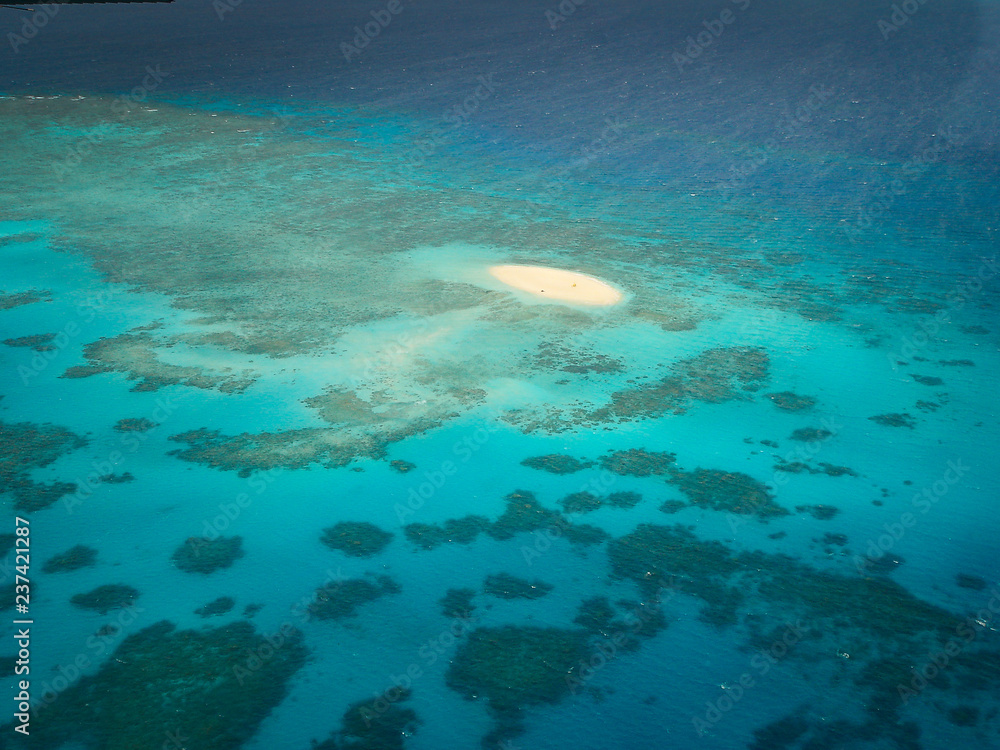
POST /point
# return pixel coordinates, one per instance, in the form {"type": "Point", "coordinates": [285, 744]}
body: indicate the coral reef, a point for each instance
{"type": "Point", "coordinates": [201, 555]}
{"type": "Point", "coordinates": [556, 463]}
{"type": "Point", "coordinates": [623, 499]}
{"type": "Point", "coordinates": [516, 667]}
{"type": "Point", "coordinates": [457, 530]}
{"type": "Point", "coordinates": [25, 447]}
{"type": "Point", "coordinates": [895, 419]}
{"type": "Point", "coordinates": [810, 434]}
{"type": "Point", "coordinates": [365, 727]}
{"type": "Point", "coordinates": [819, 512]}
{"type": "Point", "coordinates": [80, 556]}
{"type": "Point", "coordinates": [134, 354]}
{"type": "Point", "coordinates": [638, 462]}
{"type": "Point", "coordinates": [727, 490]}
{"type": "Point", "coordinates": [40, 342]}
{"type": "Point", "coordinates": [343, 600]}
{"type": "Point", "coordinates": [788, 401]}
{"type": "Point", "coordinates": [16, 299]}
{"type": "Point", "coordinates": [163, 683]}
{"type": "Point", "coordinates": [403, 467]}
{"type": "Point", "coordinates": [580, 502]}
{"type": "Point", "coordinates": [105, 598]}
{"type": "Point", "coordinates": [356, 538]}
{"type": "Point", "coordinates": [507, 586]}
{"type": "Point", "coordinates": [965, 581]}
{"type": "Point", "coordinates": [714, 376]}
{"type": "Point", "coordinates": [457, 603]}
{"type": "Point", "coordinates": [927, 379]}
{"type": "Point", "coordinates": [135, 424]}
{"type": "Point", "coordinates": [216, 607]}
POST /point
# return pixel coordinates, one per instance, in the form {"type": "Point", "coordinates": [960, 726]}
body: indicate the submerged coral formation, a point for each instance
{"type": "Point", "coordinates": [507, 586]}
{"type": "Point", "coordinates": [556, 463]}
{"type": "Point", "coordinates": [343, 599]}
{"type": "Point", "coordinates": [216, 607]}
{"type": "Point", "coordinates": [457, 603]}
{"type": "Point", "coordinates": [356, 538]}
{"type": "Point", "coordinates": [515, 668]}
{"type": "Point", "coordinates": [80, 556]}
{"type": "Point", "coordinates": [638, 462]}
{"type": "Point", "coordinates": [730, 491]}
{"type": "Point", "coordinates": [522, 514]}
{"type": "Point", "coordinates": [714, 376]}
{"type": "Point", "coordinates": [212, 687]}
{"type": "Point", "coordinates": [895, 419]}
{"type": "Point", "coordinates": [788, 401]}
{"type": "Point", "coordinates": [105, 598]}
{"type": "Point", "coordinates": [201, 555]}
{"type": "Point", "coordinates": [25, 447]}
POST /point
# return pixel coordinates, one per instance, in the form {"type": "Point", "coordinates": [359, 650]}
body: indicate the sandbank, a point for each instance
{"type": "Point", "coordinates": [556, 284]}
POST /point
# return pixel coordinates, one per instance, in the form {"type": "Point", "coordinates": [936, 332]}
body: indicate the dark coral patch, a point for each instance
{"type": "Point", "coordinates": [344, 599]}
{"type": "Point", "coordinates": [638, 462]}
{"type": "Point", "coordinates": [455, 530]}
{"type": "Point", "coordinates": [216, 607]}
{"type": "Point", "coordinates": [516, 667]}
{"type": "Point", "coordinates": [80, 556]}
{"type": "Point", "coordinates": [200, 555]}
{"type": "Point", "coordinates": [507, 586]}
{"type": "Point", "coordinates": [728, 491]}
{"type": "Point", "coordinates": [105, 598]}
{"type": "Point", "coordinates": [556, 463]}
{"type": "Point", "coordinates": [894, 419]}
{"type": "Point", "coordinates": [356, 538]}
{"type": "Point", "coordinates": [927, 379]}
{"type": "Point", "coordinates": [135, 424]}
{"type": "Point", "coordinates": [370, 725]}
{"type": "Point", "coordinates": [810, 434]}
{"type": "Point", "coordinates": [457, 603]}
{"type": "Point", "coordinates": [200, 683]}
{"type": "Point", "coordinates": [580, 502]}
{"type": "Point", "coordinates": [788, 401]}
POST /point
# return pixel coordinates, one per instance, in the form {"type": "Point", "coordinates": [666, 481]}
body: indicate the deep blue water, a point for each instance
{"type": "Point", "coordinates": [249, 220]}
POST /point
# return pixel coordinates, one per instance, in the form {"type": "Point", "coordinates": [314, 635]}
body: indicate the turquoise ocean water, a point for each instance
{"type": "Point", "coordinates": [252, 302]}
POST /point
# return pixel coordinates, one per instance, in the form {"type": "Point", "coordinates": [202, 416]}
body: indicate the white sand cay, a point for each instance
{"type": "Point", "coordinates": [556, 284]}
